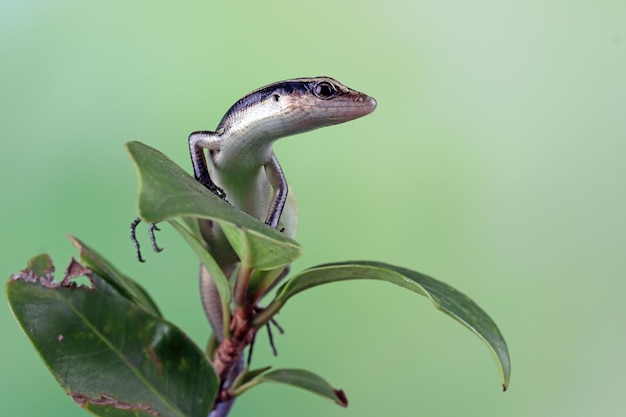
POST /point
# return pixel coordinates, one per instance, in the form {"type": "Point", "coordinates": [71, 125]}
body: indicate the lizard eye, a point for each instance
{"type": "Point", "coordinates": [324, 90]}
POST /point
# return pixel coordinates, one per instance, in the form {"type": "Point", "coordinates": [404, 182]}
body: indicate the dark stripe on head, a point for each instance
{"type": "Point", "coordinates": [265, 93]}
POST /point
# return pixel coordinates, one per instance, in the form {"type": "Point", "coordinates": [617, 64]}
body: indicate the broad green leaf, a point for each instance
{"type": "Point", "coordinates": [445, 298]}
{"type": "Point", "coordinates": [114, 277]}
{"type": "Point", "coordinates": [166, 191]}
{"type": "Point", "coordinates": [111, 355]}
{"type": "Point", "coordinates": [298, 378]}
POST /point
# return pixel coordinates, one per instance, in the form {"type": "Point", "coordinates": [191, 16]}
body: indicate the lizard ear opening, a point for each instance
{"type": "Point", "coordinates": [276, 97]}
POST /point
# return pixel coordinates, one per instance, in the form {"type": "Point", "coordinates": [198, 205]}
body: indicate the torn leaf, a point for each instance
{"type": "Point", "coordinates": [76, 270]}
{"type": "Point", "coordinates": [116, 358]}
{"type": "Point", "coordinates": [39, 269]}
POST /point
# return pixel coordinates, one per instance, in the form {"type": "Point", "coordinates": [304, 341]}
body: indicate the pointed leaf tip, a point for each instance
{"type": "Point", "coordinates": [342, 400]}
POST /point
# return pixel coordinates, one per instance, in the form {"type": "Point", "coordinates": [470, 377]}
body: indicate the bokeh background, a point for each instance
{"type": "Point", "coordinates": [495, 162]}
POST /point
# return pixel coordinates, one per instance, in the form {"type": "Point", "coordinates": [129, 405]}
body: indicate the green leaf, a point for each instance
{"type": "Point", "coordinates": [111, 355]}
{"type": "Point", "coordinates": [114, 277]}
{"type": "Point", "coordinates": [445, 298]}
{"type": "Point", "coordinates": [301, 379]}
{"type": "Point", "coordinates": [166, 191]}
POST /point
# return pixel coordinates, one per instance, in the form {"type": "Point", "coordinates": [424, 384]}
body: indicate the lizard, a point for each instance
{"type": "Point", "coordinates": [241, 167]}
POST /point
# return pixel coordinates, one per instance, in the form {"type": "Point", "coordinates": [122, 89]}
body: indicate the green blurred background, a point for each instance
{"type": "Point", "coordinates": [495, 162]}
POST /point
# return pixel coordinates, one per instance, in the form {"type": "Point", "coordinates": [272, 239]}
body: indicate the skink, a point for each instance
{"type": "Point", "coordinates": [245, 171]}
{"type": "Point", "coordinates": [243, 168]}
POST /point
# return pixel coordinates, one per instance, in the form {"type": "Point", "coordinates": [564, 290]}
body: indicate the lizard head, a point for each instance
{"type": "Point", "coordinates": [323, 101]}
{"type": "Point", "coordinates": [295, 106]}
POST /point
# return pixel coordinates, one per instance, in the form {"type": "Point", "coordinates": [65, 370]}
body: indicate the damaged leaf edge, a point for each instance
{"type": "Point", "coordinates": [46, 278]}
